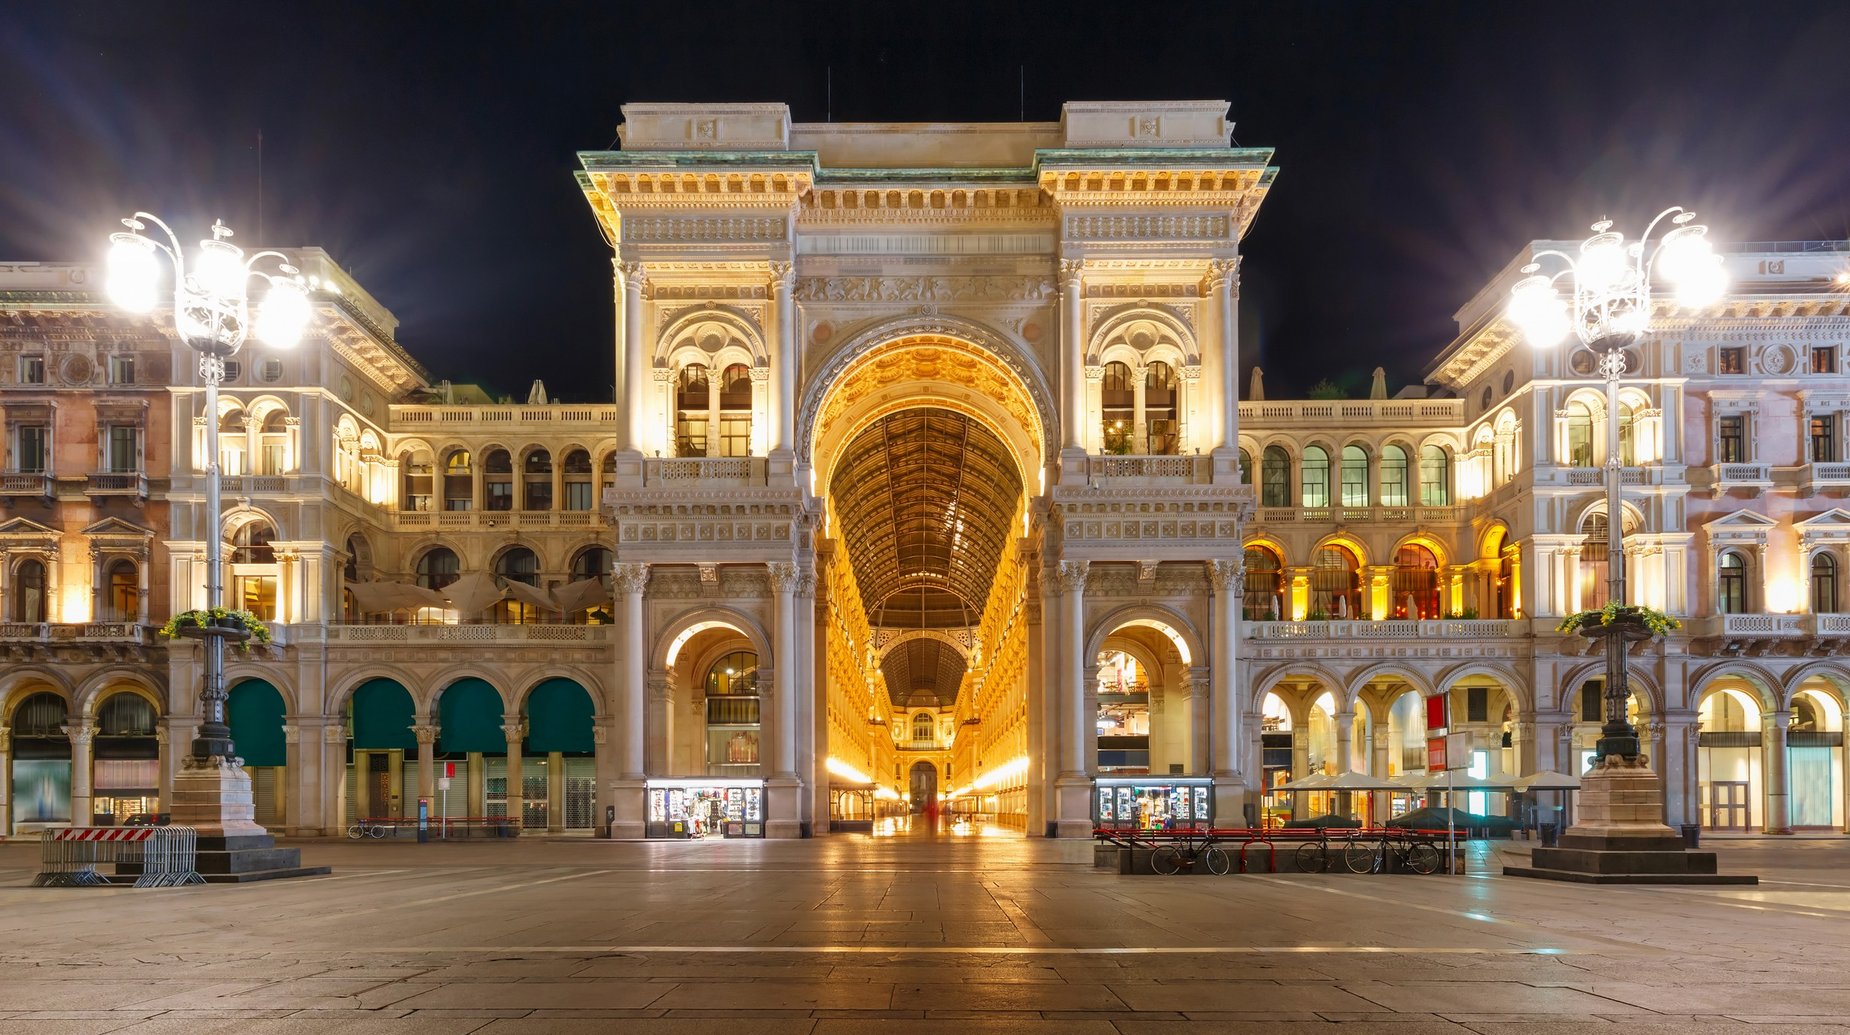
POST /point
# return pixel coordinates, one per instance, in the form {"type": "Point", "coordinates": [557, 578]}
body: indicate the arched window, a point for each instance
{"type": "Point", "coordinates": [458, 481]}
{"type": "Point", "coordinates": [1435, 480]}
{"type": "Point", "coordinates": [1316, 476]}
{"type": "Point", "coordinates": [125, 715]}
{"type": "Point", "coordinates": [498, 480]}
{"type": "Point", "coordinates": [518, 564]}
{"type": "Point", "coordinates": [231, 444]}
{"type": "Point", "coordinates": [1246, 468]}
{"type": "Point", "coordinates": [417, 471]}
{"type": "Point", "coordinates": [693, 400]}
{"type": "Point", "coordinates": [735, 411]}
{"type": "Point", "coordinates": [29, 592]}
{"type": "Point", "coordinates": [1823, 584]}
{"type": "Point", "coordinates": [1265, 585]}
{"type": "Point", "coordinates": [1579, 435]}
{"type": "Point", "coordinates": [273, 444]}
{"type": "Point", "coordinates": [250, 544]}
{"type": "Point", "coordinates": [577, 472]}
{"type": "Point", "coordinates": [1393, 476]}
{"type": "Point", "coordinates": [1731, 584]}
{"type": "Point", "coordinates": [1415, 585]}
{"type": "Point", "coordinates": [536, 480]}
{"type": "Point", "coordinates": [921, 729]}
{"type": "Point", "coordinates": [1336, 583]}
{"type": "Point", "coordinates": [438, 567]}
{"type": "Point", "coordinates": [1593, 562]}
{"type": "Point", "coordinates": [1162, 430]}
{"type": "Point", "coordinates": [592, 562]}
{"type": "Point", "coordinates": [732, 713]}
{"type": "Point", "coordinates": [1275, 478]}
{"type": "Point", "coordinates": [124, 592]}
{"type": "Point", "coordinates": [1355, 476]}
{"type": "Point", "coordinates": [1117, 399]}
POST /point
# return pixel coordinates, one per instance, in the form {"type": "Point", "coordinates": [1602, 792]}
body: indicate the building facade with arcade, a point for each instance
{"type": "Point", "coordinates": [926, 478]}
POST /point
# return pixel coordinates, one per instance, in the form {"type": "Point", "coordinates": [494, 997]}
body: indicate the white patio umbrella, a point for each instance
{"type": "Point", "coordinates": [1548, 780]}
{"type": "Point", "coordinates": [582, 595]}
{"type": "Point", "coordinates": [1313, 782]}
{"type": "Point", "coordinates": [471, 594]}
{"type": "Point", "coordinates": [375, 597]}
{"type": "Point", "coordinates": [534, 595]}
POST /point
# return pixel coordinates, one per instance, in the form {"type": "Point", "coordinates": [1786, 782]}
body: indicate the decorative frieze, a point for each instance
{"type": "Point", "coordinates": [923, 289]}
{"type": "Point", "coordinates": [697, 229]}
{"type": "Point", "coordinates": [1149, 227]}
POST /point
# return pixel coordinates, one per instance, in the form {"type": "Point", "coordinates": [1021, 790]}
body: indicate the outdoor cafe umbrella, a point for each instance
{"type": "Point", "coordinates": [1313, 782]}
{"type": "Point", "coordinates": [582, 595]}
{"type": "Point", "coordinates": [1549, 780]}
{"type": "Point", "coordinates": [374, 597]}
{"type": "Point", "coordinates": [472, 594]}
{"type": "Point", "coordinates": [534, 595]}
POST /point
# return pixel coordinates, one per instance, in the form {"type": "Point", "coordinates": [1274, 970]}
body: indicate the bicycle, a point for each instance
{"type": "Point", "coordinates": [1361, 856]}
{"type": "Point", "coordinates": [365, 828]}
{"type": "Point", "coordinates": [1312, 857]}
{"type": "Point", "coordinates": [1171, 859]}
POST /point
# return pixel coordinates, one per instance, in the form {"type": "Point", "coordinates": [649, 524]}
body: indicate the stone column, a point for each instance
{"type": "Point", "coordinates": [100, 610]}
{"type": "Point", "coordinates": [630, 704]}
{"type": "Point", "coordinates": [475, 785]}
{"type": "Point", "coordinates": [1220, 363]}
{"type": "Point", "coordinates": [782, 790]}
{"type": "Point", "coordinates": [1140, 427]}
{"type": "Point", "coordinates": [658, 754]}
{"type": "Point", "coordinates": [1380, 760]}
{"type": "Point", "coordinates": [6, 780]}
{"type": "Point", "coordinates": [164, 767]}
{"type": "Point", "coordinates": [812, 654]}
{"type": "Point", "coordinates": [1043, 704]}
{"type": "Point", "coordinates": [141, 588]}
{"type": "Point", "coordinates": [1195, 701]}
{"type": "Point", "coordinates": [83, 737]}
{"type": "Point", "coordinates": [1345, 751]}
{"type": "Point", "coordinates": [515, 732]}
{"type": "Point", "coordinates": [1228, 579]}
{"type": "Point", "coordinates": [1300, 768]}
{"type": "Point", "coordinates": [1778, 783]}
{"type": "Point", "coordinates": [604, 761]}
{"type": "Point", "coordinates": [1072, 372]}
{"type": "Point", "coordinates": [427, 764]}
{"type": "Point", "coordinates": [396, 807]}
{"type": "Point", "coordinates": [784, 385]}
{"type": "Point", "coordinates": [632, 432]}
{"type": "Point", "coordinates": [334, 777]}
{"type": "Point", "coordinates": [1073, 785]}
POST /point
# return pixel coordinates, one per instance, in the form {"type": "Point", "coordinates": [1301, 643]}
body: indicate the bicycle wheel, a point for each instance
{"type": "Point", "coordinates": [377, 830]}
{"type": "Point", "coordinates": [356, 831]}
{"type": "Point", "coordinates": [1311, 858]}
{"type": "Point", "coordinates": [1423, 858]}
{"type": "Point", "coordinates": [1359, 856]}
{"type": "Point", "coordinates": [1217, 860]}
{"type": "Point", "coordinates": [1166, 860]}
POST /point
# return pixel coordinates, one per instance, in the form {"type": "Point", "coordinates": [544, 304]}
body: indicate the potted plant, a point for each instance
{"type": "Point", "coordinates": [240, 627]}
{"type": "Point", "coordinates": [1631, 621]}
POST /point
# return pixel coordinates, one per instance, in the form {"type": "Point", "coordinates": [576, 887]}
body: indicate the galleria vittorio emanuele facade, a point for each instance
{"type": "Point", "coordinates": [928, 473]}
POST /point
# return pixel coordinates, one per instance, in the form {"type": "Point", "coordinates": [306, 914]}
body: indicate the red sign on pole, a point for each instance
{"type": "Point", "coordinates": [1435, 713]}
{"type": "Point", "coordinates": [1435, 754]}
{"type": "Point", "coordinates": [449, 770]}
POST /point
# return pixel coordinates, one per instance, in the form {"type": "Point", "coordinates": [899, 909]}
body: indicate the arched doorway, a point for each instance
{"type": "Point", "coordinates": [470, 738]}
{"type": "Point", "coordinates": [922, 785]}
{"type": "Point", "coordinates": [380, 716]}
{"type": "Point", "coordinates": [41, 763]}
{"type": "Point", "coordinates": [559, 735]}
{"type": "Point", "coordinates": [126, 759]}
{"type": "Point", "coordinates": [255, 714]}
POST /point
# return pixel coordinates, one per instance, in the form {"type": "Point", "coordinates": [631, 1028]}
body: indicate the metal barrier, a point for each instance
{"type": "Point", "coordinates": [166, 856]}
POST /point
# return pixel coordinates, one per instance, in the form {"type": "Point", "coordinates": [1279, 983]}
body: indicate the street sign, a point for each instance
{"type": "Point", "coordinates": [1435, 713]}
{"type": "Point", "coordinates": [1435, 754]}
{"type": "Point", "coordinates": [449, 770]}
{"type": "Point", "coordinates": [443, 783]}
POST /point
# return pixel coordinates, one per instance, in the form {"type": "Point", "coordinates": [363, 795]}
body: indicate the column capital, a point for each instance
{"type": "Point", "coordinates": [1070, 577]}
{"type": "Point", "coordinates": [1070, 270]}
{"type": "Point", "coordinates": [1227, 576]}
{"type": "Point", "coordinates": [783, 576]}
{"type": "Point", "coordinates": [334, 733]}
{"type": "Point", "coordinates": [425, 733]}
{"type": "Point", "coordinates": [633, 274]}
{"type": "Point", "coordinates": [660, 689]}
{"type": "Point", "coordinates": [630, 578]}
{"type": "Point", "coordinates": [515, 732]}
{"type": "Point", "coordinates": [80, 733]}
{"type": "Point", "coordinates": [782, 274]}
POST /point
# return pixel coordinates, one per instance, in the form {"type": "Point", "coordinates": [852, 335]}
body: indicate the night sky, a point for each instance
{"type": "Point", "coordinates": [431, 153]}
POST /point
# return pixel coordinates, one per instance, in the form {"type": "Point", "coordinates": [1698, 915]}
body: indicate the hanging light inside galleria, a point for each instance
{"type": "Point", "coordinates": [928, 485]}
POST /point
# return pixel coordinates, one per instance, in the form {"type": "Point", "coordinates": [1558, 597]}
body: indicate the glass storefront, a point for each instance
{"type": "Point", "coordinates": [1153, 804]}
{"type": "Point", "coordinates": [705, 808]}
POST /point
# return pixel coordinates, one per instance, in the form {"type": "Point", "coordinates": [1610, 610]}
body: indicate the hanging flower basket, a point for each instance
{"type": "Point", "coordinates": [1632, 622]}
{"type": "Point", "coordinates": [240, 627]}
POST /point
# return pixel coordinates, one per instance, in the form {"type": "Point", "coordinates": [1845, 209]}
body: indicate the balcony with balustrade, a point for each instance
{"type": "Point", "coordinates": [25, 483]}
{"type": "Point", "coordinates": [1761, 629]}
{"type": "Point", "coordinates": [76, 633]}
{"type": "Point", "coordinates": [1450, 629]}
{"type": "Point", "coordinates": [1815, 478]}
{"type": "Point", "coordinates": [130, 484]}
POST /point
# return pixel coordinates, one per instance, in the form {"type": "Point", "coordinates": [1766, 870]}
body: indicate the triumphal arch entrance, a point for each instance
{"type": "Point", "coordinates": [926, 495]}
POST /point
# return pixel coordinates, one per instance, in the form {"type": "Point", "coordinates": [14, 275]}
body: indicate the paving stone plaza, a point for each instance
{"type": "Point", "coordinates": [917, 933]}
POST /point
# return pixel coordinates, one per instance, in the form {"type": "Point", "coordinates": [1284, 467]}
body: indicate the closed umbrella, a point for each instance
{"type": "Point", "coordinates": [472, 594]}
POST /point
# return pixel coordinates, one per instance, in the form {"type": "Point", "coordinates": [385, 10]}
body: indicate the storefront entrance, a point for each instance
{"type": "Point", "coordinates": [1153, 804]}
{"type": "Point", "coordinates": [1724, 806]}
{"type": "Point", "coordinates": [705, 808]}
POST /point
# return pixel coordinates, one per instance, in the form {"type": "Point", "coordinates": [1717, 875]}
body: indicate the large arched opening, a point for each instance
{"type": "Point", "coordinates": [926, 448]}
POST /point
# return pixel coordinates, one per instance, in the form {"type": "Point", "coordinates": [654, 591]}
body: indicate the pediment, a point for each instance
{"type": "Point", "coordinates": [1742, 526]}
{"type": "Point", "coordinates": [1831, 520]}
{"type": "Point", "coordinates": [26, 528]}
{"type": "Point", "coordinates": [116, 528]}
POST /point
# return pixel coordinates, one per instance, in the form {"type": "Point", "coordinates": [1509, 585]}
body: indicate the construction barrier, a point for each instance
{"type": "Point", "coordinates": [167, 856]}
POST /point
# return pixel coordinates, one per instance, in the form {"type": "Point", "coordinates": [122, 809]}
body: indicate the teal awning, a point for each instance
{"type": "Point", "coordinates": [559, 718]}
{"type": "Point", "coordinates": [382, 716]}
{"type": "Point", "coordinates": [469, 719]}
{"type": "Point", "coordinates": [255, 714]}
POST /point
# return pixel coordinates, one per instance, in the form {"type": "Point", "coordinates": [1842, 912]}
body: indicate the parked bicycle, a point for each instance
{"type": "Point", "coordinates": [367, 828]}
{"type": "Point", "coordinates": [1170, 859]}
{"type": "Point", "coordinates": [1372, 855]}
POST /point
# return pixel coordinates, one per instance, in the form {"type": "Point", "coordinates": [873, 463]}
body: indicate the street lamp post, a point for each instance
{"type": "Point", "coordinates": [212, 315]}
{"type": "Point", "coordinates": [1609, 308]}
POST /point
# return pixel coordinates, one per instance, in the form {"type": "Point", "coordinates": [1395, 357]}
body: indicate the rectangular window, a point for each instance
{"type": "Point", "coordinates": [1591, 700]}
{"type": "Point", "coordinates": [122, 369]}
{"type": "Point", "coordinates": [1316, 481]}
{"type": "Point", "coordinates": [1733, 360]}
{"type": "Point", "coordinates": [577, 495]}
{"type": "Point", "coordinates": [1824, 438]}
{"type": "Point", "coordinates": [32, 370]}
{"type": "Point", "coordinates": [1355, 482]}
{"type": "Point", "coordinates": [1824, 359]}
{"type": "Point", "coordinates": [497, 496]}
{"type": "Point", "coordinates": [257, 594]}
{"type": "Point", "coordinates": [1731, 440]}
{"type": "Point", "coordinates": [1477, 704]}
{"type": "Point", "coordinates": [32, 451]}
{"type": "Point", "coordinates": [1434, 491]}
{"type": "Point", "coordinates": [233, 370]}
{"type": "Point", "coordinates": [1393, 478]}
{"type": "Point", "coordinates": [124, 456]}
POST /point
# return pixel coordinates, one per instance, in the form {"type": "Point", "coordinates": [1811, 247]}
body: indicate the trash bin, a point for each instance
{"type": "Point", "coordinates": [1551, 835]}
{"type": "Point", "coordinates": [1692, 835]}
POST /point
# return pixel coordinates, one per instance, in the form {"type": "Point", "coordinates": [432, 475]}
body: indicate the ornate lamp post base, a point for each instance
{"type": "Point", "coordinates": [213, 796]}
